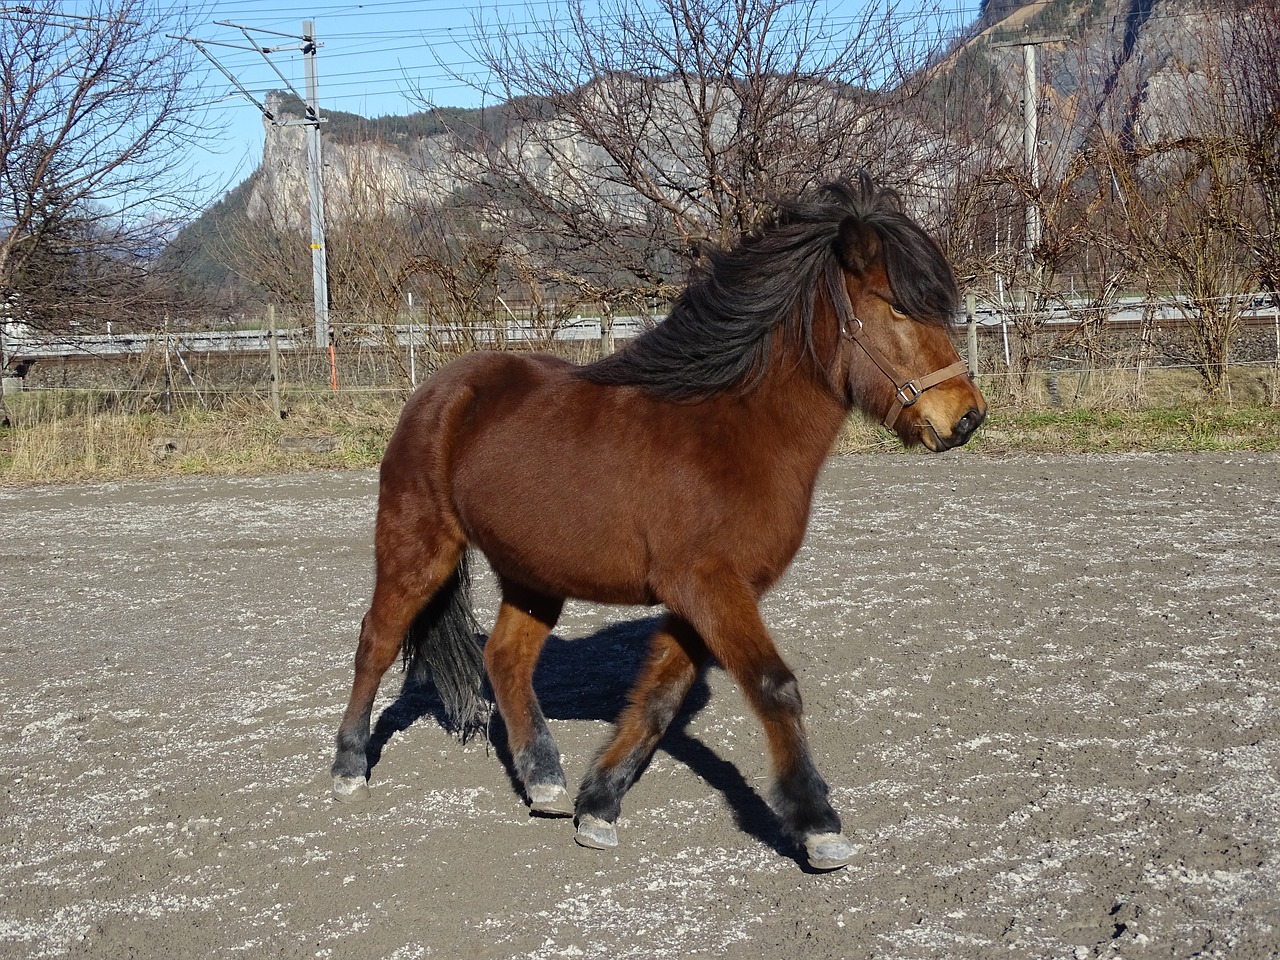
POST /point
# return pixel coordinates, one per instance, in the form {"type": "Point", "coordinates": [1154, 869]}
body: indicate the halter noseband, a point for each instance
{"type": "Point", "coordinates": [907, 390]}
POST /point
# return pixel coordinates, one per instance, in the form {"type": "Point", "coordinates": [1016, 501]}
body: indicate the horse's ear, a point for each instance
{"type": "Point", "coordinates": [857, 245]}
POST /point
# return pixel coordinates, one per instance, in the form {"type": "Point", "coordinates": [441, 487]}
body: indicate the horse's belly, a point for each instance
{"type": "Point", "coordinates": [559, 554]}
{"type": "Point", "coordinates": [558, 534]}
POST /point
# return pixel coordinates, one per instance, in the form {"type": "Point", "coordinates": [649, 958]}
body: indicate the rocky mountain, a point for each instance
{"type": "Point", "coordinates": [1123, 63]}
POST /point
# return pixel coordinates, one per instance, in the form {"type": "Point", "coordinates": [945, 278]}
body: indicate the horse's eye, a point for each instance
{"type": "Point", "coordinates": [898, 311]}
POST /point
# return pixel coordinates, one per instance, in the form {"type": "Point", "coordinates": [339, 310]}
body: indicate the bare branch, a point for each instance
{"type": "Point", "coordinates": [98, 120]}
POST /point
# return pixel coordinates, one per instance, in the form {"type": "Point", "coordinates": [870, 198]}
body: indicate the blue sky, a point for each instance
{"type": "Point", "coordinates": [372, 57]}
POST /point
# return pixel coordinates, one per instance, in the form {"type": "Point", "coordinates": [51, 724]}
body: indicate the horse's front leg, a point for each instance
{"type": "Point", "coordinates": [510, 656]}
{"type": "Point", "coordinates": [676, 657]}
{"type": "Point", "coordinates": [725, 613]}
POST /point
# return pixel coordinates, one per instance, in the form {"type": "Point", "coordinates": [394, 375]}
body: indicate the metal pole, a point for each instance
{"type": "Point", "coordinates": [315, 178]}
{"type": "Point", "coordinates": [1030, 136]}
{"type": "Point", "coordinates": [167, 406]}
{"type": "Point", "coordinates": [4, 351]}
{"type": "Point", "coordinates": [1030, 112]}
{"type": "Point", "coordinates": [413, 368]}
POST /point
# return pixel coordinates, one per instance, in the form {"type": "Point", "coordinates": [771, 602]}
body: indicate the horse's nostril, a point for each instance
{"type": "Point", "coordinates": [969, 423]}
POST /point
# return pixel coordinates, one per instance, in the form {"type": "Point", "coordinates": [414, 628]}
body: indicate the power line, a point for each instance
{"type": "Point", "coordinates": [437, 70]}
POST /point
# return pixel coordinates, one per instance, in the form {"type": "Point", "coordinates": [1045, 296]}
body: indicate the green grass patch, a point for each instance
{"type": "Point", "coordinates": [1206, 427]}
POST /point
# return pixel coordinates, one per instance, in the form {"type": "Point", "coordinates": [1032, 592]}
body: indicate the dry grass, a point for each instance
{"type": "Point", "coordinates": [73, 441]}
{"type": "Point", "coordinates": [74, 436]}
{"type": "Point", "coordinates": [1105, 412]}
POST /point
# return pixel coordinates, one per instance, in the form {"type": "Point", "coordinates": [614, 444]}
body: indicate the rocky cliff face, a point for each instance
{"type": "Point", "coordinates": [357, 172]}
{"type": "Point", "coordinates": [1133, 66]}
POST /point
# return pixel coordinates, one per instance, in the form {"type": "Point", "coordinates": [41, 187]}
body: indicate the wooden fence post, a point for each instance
{"type": "Point", "coordinates": [275, 360]}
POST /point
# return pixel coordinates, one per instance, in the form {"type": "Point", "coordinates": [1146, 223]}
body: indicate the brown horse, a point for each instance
{"type": "Point", "coordinates": [677, 471]}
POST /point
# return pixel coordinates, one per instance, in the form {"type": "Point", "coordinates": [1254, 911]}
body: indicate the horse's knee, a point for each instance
{"type": "Point", "coordinates": [779, 692]}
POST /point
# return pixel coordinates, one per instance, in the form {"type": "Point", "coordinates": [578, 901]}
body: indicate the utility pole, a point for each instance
{"type": "Point", "coordinates": [308, 45]}
{"type": "Point", "coordinates": [1030, 144]}
{"type": "Point", "coordinates": [315, 179]}
{"type": "Point", "coordinates": [1030, 147]}
{"type": "Point", "coordinates": [1030, 137]}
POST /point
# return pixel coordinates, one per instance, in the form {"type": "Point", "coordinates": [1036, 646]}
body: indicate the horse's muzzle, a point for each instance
{"type": "Point", "coordinates": [960, 433]}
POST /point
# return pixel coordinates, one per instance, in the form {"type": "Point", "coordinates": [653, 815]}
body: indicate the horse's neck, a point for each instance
{"type": "Point", "coordinates": [794, 412]}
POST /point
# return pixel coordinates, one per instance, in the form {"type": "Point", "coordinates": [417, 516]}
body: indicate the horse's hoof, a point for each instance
{"type": "Point", "coordinates": [350, 789]}
{"type": "Point", "coordinates": [550, 800]}
{"type": "Point", "coordinates": [595, 833]}
{"type": "Point", "coordinates": [829, 851]}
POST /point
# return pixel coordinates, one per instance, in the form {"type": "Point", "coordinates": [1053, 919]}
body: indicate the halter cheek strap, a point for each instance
{"type": "Point", "coordinates": [906, 390]}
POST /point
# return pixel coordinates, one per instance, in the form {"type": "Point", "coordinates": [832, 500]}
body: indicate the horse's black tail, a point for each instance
{"type": "Point", "coordinates": [441, 645]}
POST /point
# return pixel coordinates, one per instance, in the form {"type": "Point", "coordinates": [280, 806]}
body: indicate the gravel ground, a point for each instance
{"type": "Point", "coordinates": [1044, 690]}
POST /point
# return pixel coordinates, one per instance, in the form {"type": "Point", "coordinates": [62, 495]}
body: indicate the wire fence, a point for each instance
{"type": "Point", "coordinates": [207, 369]}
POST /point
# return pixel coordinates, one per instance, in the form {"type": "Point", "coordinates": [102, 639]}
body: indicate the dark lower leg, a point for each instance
{"type": "Point", "coordinates": [730, 621]}
{"type": "Point", "coordinates": [510, 656]}
{"type": "Point", "coordinates": [676, 656]}
{"type": "Point", "coordinates": [535, 755]}
{"type": "Point", "coordinates": [799, 793]}
{"type": "Point", "coordinates": [397, 598]}
{"type": "Point", "coordinates": [351, 756]}
{"type": "Point", "coordinates": [377, 650]}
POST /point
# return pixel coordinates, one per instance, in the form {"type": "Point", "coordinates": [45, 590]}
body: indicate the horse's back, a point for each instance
{"type": "Point", "coordinates": [467, 391]}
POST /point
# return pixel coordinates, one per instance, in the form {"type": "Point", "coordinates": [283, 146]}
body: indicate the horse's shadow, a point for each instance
{"type": "Point", "coordinates": [611, 658]}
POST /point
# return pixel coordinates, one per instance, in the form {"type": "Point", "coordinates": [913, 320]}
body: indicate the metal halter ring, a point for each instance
{"type": "Point", "coordinates": [906, 400]}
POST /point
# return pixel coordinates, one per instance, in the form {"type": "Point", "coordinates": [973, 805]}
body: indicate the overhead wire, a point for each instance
{"type": "Point", "coordinates": [437, 69]}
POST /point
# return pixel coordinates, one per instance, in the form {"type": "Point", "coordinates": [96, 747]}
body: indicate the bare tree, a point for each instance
{"type": "Point", "coordinates": [456, 270]}
{"type": "Point", "coordinates": [1191, 206]}
{"type": "Point", "coordinates": [1248, 45]}
{"type": "Point", "coordinates": [1144, 163]}
{"type": "Point", "coordinates": [1031, 279]}
{"type": "Point", "coordinates": [635, 132]}
{"type": "Point", "coordinates": [265, 247]}
{"type": "Point", "coordinates": [98, 120]}
{"type": "Point", "coordinates": [372, 245]}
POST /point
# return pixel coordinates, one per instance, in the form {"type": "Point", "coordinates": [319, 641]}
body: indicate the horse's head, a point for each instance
{"type": "Point", "coordinates": [894, 303]}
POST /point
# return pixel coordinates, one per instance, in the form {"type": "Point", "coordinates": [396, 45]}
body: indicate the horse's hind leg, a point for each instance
{"type": "Point", "coordinates": [510, 656]}
{"type": "Point", "coordinates": [676, 657]}
{"type": "Point", "coordinates": [408, 575]}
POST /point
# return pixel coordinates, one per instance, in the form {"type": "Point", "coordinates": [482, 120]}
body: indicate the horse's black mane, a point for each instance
{"type": "Point", "coordinates": [716, 336]}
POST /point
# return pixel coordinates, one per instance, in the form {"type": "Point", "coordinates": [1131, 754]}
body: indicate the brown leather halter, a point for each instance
{"type": "Point", "coordinates": [907, 390]}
